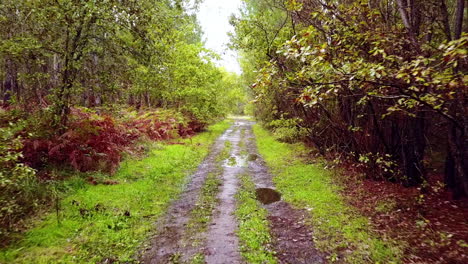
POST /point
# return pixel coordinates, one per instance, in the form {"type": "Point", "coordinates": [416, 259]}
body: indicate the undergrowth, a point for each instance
{"type": "Point", "coordinates": [108, 223]}
{"type": "Point", "coordinates": [339, 230]}
{"type": "Point", "coordinates": [35, 155]}
{"type": "Point", "coordinates": [95, 141]}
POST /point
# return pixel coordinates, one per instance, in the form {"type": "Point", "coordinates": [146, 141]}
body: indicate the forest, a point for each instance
{"type": "Point", "coordinates": [343, 140]}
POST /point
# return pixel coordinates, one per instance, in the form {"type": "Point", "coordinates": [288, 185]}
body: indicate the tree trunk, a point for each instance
{"type": "Point", "coordinates": [415, 17]}
{"type": "Point", "coordinates": [55, 71]}
{"type": "Point", "coordinates": [445, 20]}
{"type": "Point", "coordinates": [412, 151]}
{"type": "Point", "coordinates": [456, 169]}
{"type": "Point", "coordinates": [459, 18]}
{"type": "Point", "coordinates": [10, 84]}
{"type": "Point", "coordinates": [402, 8]}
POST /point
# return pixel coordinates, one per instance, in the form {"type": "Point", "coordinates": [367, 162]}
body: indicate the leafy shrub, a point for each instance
{"type": "Point", "coordinates": [18, 184]}
{"type": "Point", "coordinates": [96, 141]}
{"type": "Point", "coordinates": [288, 130]}
{"type": "Point", "coordinates": [91, 142]}
{"type": "Point", "coordinates": [160, 125]}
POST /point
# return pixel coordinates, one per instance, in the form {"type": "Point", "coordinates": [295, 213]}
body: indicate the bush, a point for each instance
{"type": "Point", "coordinates": [91, 142]}
{"type": "Point", "coordinates": [160, 125]}
{"type": "Point", "coordinates": [96, 142]}
{"type": "Point", "coordinates": [18, 184]}
{"type": "Point", "coordinates": [288, 130]}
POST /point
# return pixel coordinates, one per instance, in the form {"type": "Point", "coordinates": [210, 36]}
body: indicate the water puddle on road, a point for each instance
{"type": "Point", "coordinates": [252, 157]}
{"type": "Point", "coordinates": [267, 195]}
{"type": "Point", "coordinates": [236, 161]}
{"type": "Point", "coordinates": [228, 133]}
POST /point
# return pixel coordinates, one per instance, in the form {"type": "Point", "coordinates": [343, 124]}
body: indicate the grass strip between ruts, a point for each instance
{"type": "Point", "coordinates": [254, 232]}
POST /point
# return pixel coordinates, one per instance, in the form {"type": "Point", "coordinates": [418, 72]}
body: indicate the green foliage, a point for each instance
{"type": "Point", "coordinates": [144, 53]}
{"type": "Point", "coordinates": [19, 191]}
{"type": "Point", "coordinates": [361, 84]}
{"type": "Point", "coordinates": [99, 222]}
{"type": "Point", "coordinates": [236, 98]}
{"type": "Point", "coordinates": [288, 130]}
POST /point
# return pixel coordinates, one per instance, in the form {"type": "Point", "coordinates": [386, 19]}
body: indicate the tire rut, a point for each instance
{"type": "Point", "coordinates": [169, 240]}
{"type": "Point", "coordinates": [223, 243]}
{"type": "Point", "coordinates": [292, 237]}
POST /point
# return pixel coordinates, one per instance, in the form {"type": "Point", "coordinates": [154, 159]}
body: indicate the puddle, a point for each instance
{"type": "Point", "coordinates": [267, 195]}
{"type": "Point", "coordinates": [236, 161]}
{"type": "Point", "coordinates": [252, 157]}
{"type": "Point", "coordinates": [226, 134]}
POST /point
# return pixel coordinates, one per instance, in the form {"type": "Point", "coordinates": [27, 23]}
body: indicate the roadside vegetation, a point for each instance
{"type": "Point", "coordinates": [376, 88]}
{"type": "Point", "coordinates": [339, 230]}
{"type": "Point", "coordinates": [99, 222]}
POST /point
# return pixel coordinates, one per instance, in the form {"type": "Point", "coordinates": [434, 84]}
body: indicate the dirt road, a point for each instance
{"type": "Point", "coordinates": [197, 229]}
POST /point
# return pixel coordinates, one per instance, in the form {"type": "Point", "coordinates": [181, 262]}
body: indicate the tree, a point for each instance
{"type": "Point", "coordinates": [369, 80]}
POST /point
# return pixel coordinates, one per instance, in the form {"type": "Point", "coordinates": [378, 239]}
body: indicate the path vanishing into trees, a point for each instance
{"type": "Point", "coordinates": [116, 145]}
{"type": "Point", "coordinates": [181, 237]}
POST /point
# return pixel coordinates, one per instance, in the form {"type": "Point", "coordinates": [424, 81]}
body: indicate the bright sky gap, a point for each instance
{"type": "Point", "coordinates": [213, 16]}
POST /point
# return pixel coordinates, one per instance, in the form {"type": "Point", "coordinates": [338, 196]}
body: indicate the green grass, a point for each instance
{"type": "Point", "coordinates": [112, 221]}
{"type": "Point", "coordinates": [201, 215]}
{"type": "Point", "coordinates": [337, 226]}
{"type": "Point", "coordinates": [253, 232]}
{"type": "Point", "coordinates": [225, 152]}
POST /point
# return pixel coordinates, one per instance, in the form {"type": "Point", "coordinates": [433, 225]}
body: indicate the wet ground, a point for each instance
{"type": "Point", "coordinates": [175, 242]}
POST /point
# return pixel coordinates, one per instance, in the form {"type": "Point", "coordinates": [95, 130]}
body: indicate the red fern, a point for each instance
{"type": "Point", "coordinates": [96, 142]}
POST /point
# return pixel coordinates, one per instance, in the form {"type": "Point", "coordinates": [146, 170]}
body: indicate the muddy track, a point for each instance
{"type": "Point", "coordinates": [170, 238]}
{"type": "Point", "coordinates": [222, 243]}
{"type": "Point", "coordinates": [174, 243]}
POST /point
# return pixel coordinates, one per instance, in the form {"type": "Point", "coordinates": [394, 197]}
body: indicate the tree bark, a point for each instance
{"type": "Point", "coordinates": [413, 148]}
{"type": "Point", "coordinates": [10, 84]}
{"type": "Point", "coordinates": [459, 18]}
{"type": "Point", "coordinates": [445, 20]}
{"type": "Point", "coordinates": [404, 15]}
{"type": "Point", "coordinates": [456, 167]}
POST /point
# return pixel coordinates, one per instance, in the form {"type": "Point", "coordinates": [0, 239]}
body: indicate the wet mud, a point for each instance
{"type": "Point", "coordinates": [170, 241]}
{"type": "Point", "coordinates": [222, 243]}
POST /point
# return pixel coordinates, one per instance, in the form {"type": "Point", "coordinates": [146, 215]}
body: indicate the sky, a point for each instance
{"type": "Point", "coordinates": [213, 16]}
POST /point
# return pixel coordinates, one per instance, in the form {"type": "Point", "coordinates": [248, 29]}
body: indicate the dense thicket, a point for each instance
{"type": "Point", "coordinates": [378, 84]}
